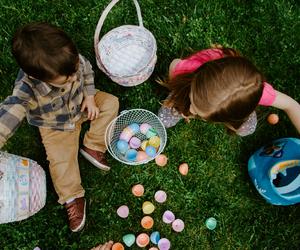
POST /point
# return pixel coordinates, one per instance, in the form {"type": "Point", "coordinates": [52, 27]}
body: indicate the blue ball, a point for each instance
{"type": "Point", "coordinates": [122, 146]}
{"type": "Point", "coordinates": [131, 155]}
{"type": "Point", "coordinates": [134, 127]}
{"type": "Point", "coordinates": [150, 151]}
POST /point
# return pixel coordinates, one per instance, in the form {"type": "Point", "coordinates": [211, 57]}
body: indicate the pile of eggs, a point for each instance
{"type": "Point", "coordinates": [135, 149]}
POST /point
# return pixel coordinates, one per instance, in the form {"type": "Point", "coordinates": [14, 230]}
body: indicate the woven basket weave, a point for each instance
{"type": "Point", "coordinates": [23, 188]}
{"type": "Point", "coordinates": [127, 54]}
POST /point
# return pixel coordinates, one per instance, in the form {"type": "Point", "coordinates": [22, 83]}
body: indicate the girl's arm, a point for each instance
{"type": "Point", "coordinates": [290, 106]}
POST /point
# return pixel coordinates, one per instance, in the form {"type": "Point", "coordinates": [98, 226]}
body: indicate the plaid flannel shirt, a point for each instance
{"type": "Point", "coordinates": [45, 105]}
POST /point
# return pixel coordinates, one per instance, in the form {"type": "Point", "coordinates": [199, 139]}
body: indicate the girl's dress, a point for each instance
{"type": "Point", "coordinates": [170, 116]}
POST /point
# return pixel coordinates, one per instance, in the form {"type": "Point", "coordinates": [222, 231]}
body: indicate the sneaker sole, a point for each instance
{"type": "Point", "coordinates": [82, 222]}
{"type": "Point", "coordinates": [93, 161]}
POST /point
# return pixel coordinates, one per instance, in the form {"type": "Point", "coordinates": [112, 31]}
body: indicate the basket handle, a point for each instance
{"type": "Point", "coordinates": [103, 17]}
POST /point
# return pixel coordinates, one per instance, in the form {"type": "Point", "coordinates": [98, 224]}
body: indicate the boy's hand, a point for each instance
{"type": "Point", "coordinates": [89, 104]}
{"type": "Point", "coordinates": [106, 246]}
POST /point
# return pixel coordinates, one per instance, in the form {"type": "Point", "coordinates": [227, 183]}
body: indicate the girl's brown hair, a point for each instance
{"type": "Point", "coordinates": [226, 90]}
{"type": "Point", "coordinates": [44, 51]}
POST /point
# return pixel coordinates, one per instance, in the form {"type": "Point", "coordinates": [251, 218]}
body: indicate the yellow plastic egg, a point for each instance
{"type": "Point", "coordinates": [144, 144]}
{"type": "Point", "coordinates": [154, 141]}
{"type": "Point", "coordinates": [148, 207]}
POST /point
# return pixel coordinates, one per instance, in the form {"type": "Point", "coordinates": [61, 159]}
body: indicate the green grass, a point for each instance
{"type": "Point", "coordinates": [218, 183]}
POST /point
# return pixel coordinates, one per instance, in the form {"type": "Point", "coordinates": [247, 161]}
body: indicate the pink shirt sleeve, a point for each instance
{"type": "Point", "coordinates": [193, 62]}
{"type": "Point", "coordinates": [268, 95]}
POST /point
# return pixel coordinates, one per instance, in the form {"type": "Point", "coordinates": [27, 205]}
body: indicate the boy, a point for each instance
{"type": "Point", "coordinates": [54, 87]}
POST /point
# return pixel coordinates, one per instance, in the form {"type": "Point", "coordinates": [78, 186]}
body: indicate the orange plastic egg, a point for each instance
{"type": "Point", "coordinates": [147, 222]}
{"type": "Point", "coordinates": [138, 190]}
{"type": "Point", "coordinates": [184, 168]}
{"type": "Point", "coordinates": [142, 240]}
{"type": "Point", "coordinates": [161, 160]}
{"type": "Point", "coordinates": [273, 119]}
{"type": "Point", "coordinates": [117, 246]}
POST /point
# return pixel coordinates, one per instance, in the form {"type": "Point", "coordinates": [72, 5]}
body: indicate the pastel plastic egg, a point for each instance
{"type": "Point", "coordinates": [138, 190]}
{"type": "Point", "coordinates": [178, 225]}
{"type": "Point", "coordinates": [164, 244]}
{"type": "Point", "coordinates": [154, 141]}
{"type": "Point", "coordinates": [150, 151]}
{"type": "Point", "coordinates": [134, 142]}
{"type": "Point", "coordinates": [184, 168]}
{"type": "Point", "coordinates": [122, 146]}
{"type": "Point", "coordinates": [131, 155]}
{"type": "Point", "coordinates": [151, 132]}
{"type": "Point", "coordinates": [211, 223]}
{"type": "Point", "coordinates": [135, 127]}
{"type": "Point", "coordinates": [142, 240]}
{"type": "Point", "coordinates": [161, 160]}
{"type": "Point", "coordinates": [148, 207]}
{"type": "Point", "coordinates": [141, 156]}
{"type": "Point", "coordinates": [168, 217]}
{"type": "Point", "coordinates": [123, 211]}
{"type": "Point", "coordinates": [160, 196]}
{"type": "Point", "coordinates": [129, 239]}
{"type": "Point", "coordinates": [155, 237]}
{"type": "Point", "coordinates": [144, 128]}
{"type": "Point", "coordinates": [153, 248]}
{"type": "Point", "coordinates": [125, 136]}
{"type": "Point", "coordinates": [117, 246]}
{"type": "Point", "coordinates": [144, 144]}
{"type": "Point", "coordinates": [273, 119]}
{"type": "Point", "coordinates": [147, 222]}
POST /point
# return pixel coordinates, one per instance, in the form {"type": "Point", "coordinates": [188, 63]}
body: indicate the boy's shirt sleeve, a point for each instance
{"type": "Point", "coordinates": [13, 110]}
{"type": "Point", "coordinates": [88, 77]}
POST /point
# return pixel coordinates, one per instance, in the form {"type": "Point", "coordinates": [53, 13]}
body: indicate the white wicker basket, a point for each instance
{"type": "Point", "coordinates": [127, 54]}
{"type": "Point", "coordinates": [23, 188]}
{"type": "Point", "coordinates": [139, 116]}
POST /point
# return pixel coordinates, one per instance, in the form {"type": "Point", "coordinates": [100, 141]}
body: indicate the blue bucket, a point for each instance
{"type": "Point", "coordinates": [275, 171]}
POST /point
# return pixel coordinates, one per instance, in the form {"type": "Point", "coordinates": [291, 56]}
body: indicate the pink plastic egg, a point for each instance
{"type": "Point", "coordinates": [141, 156]}
{"type": "Point", "coordinates": [178, 225]}
{"type": "Point", "coordinates": [123, 211]}
{"type": "Point", "coordinates": [160, 196]}
{"type": "Point", "coordinates": [164, 244]}
{"type": "Point", "coordinates": [142, 240]}
{"type": "Point", "coordinates": [161, 160]}
{"type": "Point", "coordinates": [138, 190]}
{"type": "Point", "coordinates": [184, 168]}
{"type": "Point", "coordinates": [144, 128]}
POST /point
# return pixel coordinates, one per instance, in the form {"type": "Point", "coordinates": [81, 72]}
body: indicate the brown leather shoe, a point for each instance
{"type": "Point", "coordinates": [76, 214]}
{"type": "Point", "coordinates": [97, 158]}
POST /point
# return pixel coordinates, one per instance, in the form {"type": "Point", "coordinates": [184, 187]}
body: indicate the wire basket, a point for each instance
{"type": "Point", "coordinates": [139, 116]}
{"type": "Point", "coordinates": [126, 54]}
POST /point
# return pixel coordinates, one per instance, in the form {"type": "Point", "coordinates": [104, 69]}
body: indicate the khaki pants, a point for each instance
{"type": "Point", "coordinates": [62, 147]}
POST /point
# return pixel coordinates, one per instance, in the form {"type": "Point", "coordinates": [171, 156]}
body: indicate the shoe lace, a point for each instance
{"type": "Point", "coordinates": [72, 212]}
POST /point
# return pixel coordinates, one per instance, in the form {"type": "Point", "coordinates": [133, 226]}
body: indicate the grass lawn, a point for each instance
{"type": "Point", "coordinates": [218, 185]}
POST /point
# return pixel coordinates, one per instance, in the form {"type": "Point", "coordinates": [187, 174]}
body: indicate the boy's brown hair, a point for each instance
{"type": "Point", "coordinates": [226, 90]}
{"type": "Point", "coordinates": [44, 51]}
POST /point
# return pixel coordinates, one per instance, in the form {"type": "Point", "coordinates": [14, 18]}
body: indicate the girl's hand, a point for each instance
{"type": "Point", "coordinates": [89, 104]}
{"type": "Point", "coordinates": [106, 246]}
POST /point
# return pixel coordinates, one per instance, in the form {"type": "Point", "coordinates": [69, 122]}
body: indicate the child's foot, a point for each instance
{"type": "Point", "coordinates": [169, 116]}
{"type": "Point", "coordinates": [97, 158]}
{"type": "Point", "coordinates": [76, 214]}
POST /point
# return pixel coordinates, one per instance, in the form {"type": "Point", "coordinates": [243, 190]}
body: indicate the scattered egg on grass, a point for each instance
{"type": "Point", "coordinates": [138, 190]}
{"type": "Point", "coordinates": [161, 160]}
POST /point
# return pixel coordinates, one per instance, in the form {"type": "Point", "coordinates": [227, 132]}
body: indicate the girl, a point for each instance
{"type": "Point", "coordinates": [219, 85]}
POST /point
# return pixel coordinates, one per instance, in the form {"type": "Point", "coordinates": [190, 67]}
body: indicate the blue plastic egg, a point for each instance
{"type": "Point", "coordinates": [155, 237]}
{"type": "Point", "coordinates": [122, 146]}
{"type": "Point", "coordinates": [131, 155]}
{"type": "Point", "coordinates": [135, 127]}
{"type": "Point", "coordinates": [151, 151]}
